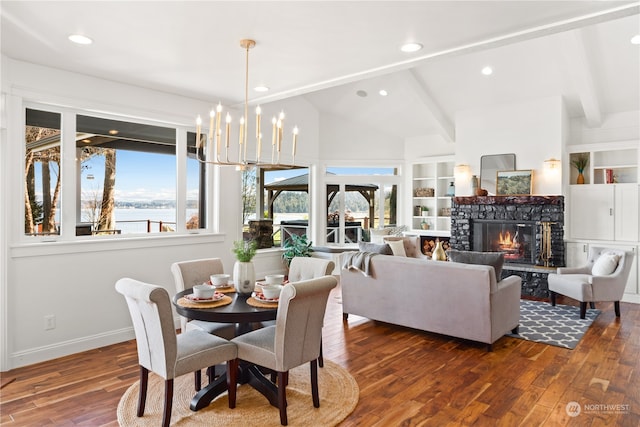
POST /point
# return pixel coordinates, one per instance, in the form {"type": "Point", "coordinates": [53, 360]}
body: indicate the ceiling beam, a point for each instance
{"type": "Point", "coordinates": [502, 40]}
{"type": "Point", "coordinates": [580, 69]}
{"type": "Point", "coordinates": [443, 123]}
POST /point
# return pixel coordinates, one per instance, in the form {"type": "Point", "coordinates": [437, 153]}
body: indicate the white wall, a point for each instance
{"type": "Point", "coordinates": [74, 280]}
{"type": "Point", "coordinates": [615, 127]}
{"type": "Point", "coordinates": [532, 130]}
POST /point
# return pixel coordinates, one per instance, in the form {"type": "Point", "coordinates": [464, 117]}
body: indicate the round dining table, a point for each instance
{"type": "Point", "coordinates": [245, 317]}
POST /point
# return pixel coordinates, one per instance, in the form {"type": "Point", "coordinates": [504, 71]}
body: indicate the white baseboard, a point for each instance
{"type": "Point", "coordinates": [632, 298]}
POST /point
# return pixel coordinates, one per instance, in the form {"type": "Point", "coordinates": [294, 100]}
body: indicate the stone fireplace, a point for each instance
{"type": "Point", "coordinates": [528, 229]}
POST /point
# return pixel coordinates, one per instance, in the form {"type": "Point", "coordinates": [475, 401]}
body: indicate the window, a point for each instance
{"type": "Point", "coordinates": [125, 180]}
{"type": "Point", "coordinates": [42, 173]}
{"type": "Point", "coordinates": [369, 201]}
{"type": "Point", "coordinates": [128, 177]}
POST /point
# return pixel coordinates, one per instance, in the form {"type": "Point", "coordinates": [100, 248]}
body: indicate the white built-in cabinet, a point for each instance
{"type": "Point", "coordinates": [604, 210]}
{"type": "Point", "coordinates": [431, 187]}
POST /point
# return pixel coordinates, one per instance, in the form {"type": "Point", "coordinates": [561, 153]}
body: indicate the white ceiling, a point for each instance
{"type": "Point", "coordinates": [327, 51]}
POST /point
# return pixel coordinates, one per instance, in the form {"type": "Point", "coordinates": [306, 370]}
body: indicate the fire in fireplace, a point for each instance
{"type": "Point", "coordinates": [516, 239]}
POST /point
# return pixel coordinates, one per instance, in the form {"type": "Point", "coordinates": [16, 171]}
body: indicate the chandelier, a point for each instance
{"type": "Point", "coordinates": [218, 146]}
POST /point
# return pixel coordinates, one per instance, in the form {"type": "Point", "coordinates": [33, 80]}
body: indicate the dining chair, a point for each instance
{"type": "Point", "coordinates": [304, 268]}
{"type": "Point", "coordinates": [292, 341]}
{"type": "Point", "coordinates": [187, 274]}
{"type": "Point", "coordinates": [163, 352]}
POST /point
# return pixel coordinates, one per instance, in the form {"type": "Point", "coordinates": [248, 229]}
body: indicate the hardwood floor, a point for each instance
{"type": "Point", "coordinates": [406, 377]}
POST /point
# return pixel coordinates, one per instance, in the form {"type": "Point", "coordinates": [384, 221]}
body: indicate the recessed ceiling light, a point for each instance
{"type": "Point", "coordinates": [362, 93]}
{"type": "Point", "coordinates": [383, 92]}
{"type": "Point", "coordinates": [635, 39]}
{"type": "Point", "coordinates": [261, 88]}
{"type": "Point", "coordinates": [80, 39]}
{"type": "Point", "coordinates": [487, 71]}
{"type": "Point", "coordinates": [113, 132]}
{"type": "Point", "coordinates": [411, 47]}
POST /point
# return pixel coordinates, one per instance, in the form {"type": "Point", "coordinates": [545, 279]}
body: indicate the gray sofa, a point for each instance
{"type": "Point", "coordinates": [454, 299]}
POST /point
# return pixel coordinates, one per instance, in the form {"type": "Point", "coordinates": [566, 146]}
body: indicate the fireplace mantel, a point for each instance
{"type": "Point", "coordinates": [509, 200]}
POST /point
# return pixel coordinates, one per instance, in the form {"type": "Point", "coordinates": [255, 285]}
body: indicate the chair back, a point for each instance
{"type": "Point", "coordinates": [187, 274]}
{"type": "Point", "coordinates": [152, 317]}
{"type": "Point", "coordinates": [299, 321]}
{"type": "Point", "coordinates": [624, 263]}
{"type": "Point", "coordinates": [305, 268]}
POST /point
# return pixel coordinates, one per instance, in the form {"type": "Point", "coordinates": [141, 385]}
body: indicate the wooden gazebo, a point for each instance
{"type": "Point", "coordinates": [301, 183]}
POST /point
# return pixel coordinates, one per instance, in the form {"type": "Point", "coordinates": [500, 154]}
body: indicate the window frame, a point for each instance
{"type": "Point", "coordinates": [70, 179]}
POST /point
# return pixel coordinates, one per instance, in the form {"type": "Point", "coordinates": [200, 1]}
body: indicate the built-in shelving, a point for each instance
{"type": "Point", "coordinates": [430, 188]}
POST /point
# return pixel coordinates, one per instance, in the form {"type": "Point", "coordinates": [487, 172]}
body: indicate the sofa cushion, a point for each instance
{"type": "Point", "coordinates": [606, 264]}
{"type": "Point", "coordinates": [376, 234]}
{"type": "Point", "coordinates": [397, 247]}
{"type": "Point", "coordinates": [383, 249]}
{"type": "Point", "coordinates": [411, 245]}
{"type": "Point", "coordinates": [494, 259]}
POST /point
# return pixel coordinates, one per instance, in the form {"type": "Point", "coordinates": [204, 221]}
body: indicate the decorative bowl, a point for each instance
{"type": "Point", "coordinates": [274, 279]}
{"type": "Point", "coordinates": [203, 291]}
{"type": "Point", "coordinates": [220, 280]}
{"type": "Point", "coordinates": [271, 291]}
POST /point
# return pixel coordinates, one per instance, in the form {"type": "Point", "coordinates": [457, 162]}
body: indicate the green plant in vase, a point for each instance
{"type": "Point", "coordinates": [580, 163]}
{"type": "Point", "coordinates": [244, 276]}
{"type": "Point", "coordinates": [296, 246]}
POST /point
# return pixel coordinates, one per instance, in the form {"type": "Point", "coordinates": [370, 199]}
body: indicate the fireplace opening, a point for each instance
{"type": "Point", "coordinates": [516, 239]}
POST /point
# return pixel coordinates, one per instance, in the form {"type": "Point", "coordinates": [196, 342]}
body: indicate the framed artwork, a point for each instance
{"type": "Point", "coordinates": [514, 183]}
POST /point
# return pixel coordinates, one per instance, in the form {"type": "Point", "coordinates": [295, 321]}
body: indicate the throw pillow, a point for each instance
{"type": "Point", "coordinates": [605, 265]}
{"type": "Point", "coordinates": [375, 248]}
{"type": "Point", "coordinates": [494, 259]}
{"type": "Point", "coordinates": [397, 247]}
{"type": "Point", "coordinates": [378, 233]}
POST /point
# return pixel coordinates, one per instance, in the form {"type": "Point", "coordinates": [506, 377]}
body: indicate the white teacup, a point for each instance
{"type": "Point", "coordinates": [274, 279]}
{"type": "Point", "coordinates": [203, 291]}
{"type": "Point", "coordinates": [271, 291]}
{"type": "Point", "coordinates": [220, 280]}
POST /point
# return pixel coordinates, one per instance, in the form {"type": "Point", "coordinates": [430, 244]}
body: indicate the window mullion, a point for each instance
{"type": "Point", "coordinates": [181, 180]}
{"type": "Point", "coordinates": [70, 171]}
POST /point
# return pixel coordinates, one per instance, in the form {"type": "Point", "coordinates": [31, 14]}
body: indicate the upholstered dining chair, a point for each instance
{"type": "Point", "coordinates": [304, 268]}
{"type": "Point", "coordinates": [160, 350]}
{"type": "Point", "coordinates": [603, 278]}
{"type": "Point", "coordinates": [187, 274]}
{"type": "Point", "coordinates": [293, 341]}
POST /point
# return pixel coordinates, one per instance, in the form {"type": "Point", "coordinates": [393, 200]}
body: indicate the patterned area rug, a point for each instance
{"type": "Point", "coordinates": [560, 325]}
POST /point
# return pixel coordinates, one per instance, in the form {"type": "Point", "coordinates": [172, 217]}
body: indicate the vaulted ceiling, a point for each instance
{"type": "Point", "coordinates": [338, 55]}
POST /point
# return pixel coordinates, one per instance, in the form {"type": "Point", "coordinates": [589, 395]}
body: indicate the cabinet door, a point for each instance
{"type": "Point", "coordinates": [633, 287]}
{"type": "Point", "coordinates": [626, 212]}
{"type": "Point", "coordinates": [577, 254]}
{"type": "Point", "coordinates": [591, 212]}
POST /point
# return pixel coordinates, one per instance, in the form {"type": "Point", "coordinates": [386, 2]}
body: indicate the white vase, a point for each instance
{"type": "Point", "coordinates": [244, 277]}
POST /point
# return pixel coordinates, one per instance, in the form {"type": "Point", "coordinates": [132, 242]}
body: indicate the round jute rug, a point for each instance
{"type": "Point", "coordinates": [338, 398]}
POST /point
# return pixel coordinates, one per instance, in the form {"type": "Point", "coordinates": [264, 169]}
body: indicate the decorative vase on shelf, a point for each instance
{"type": "Point", "coordinates": [439, 253]}
{"type": "Point", "coordinates": [451, 190]}
{"type": "Point", "coordinates": [580, 179]}
{"type": "Point", "coordinates": [244, 277]}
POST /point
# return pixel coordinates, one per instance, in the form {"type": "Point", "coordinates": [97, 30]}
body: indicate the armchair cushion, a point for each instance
{"type": "Point", "coordinates": [606, 264]}
{"type": "Point", "coordinates": [494, 259]}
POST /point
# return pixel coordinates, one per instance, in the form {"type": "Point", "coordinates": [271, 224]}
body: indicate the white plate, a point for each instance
{"type": "Point", "coordinates": [260, 297]}
{"type": "Point", "coordinates": [216, 297]}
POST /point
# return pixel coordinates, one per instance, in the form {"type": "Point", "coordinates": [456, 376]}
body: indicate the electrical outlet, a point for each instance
{"type": "Point", "coordinates": [49, 322]}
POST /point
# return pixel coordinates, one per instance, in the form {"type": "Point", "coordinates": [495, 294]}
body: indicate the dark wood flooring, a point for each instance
{"type": "Point", "coordinates": [406, 378]}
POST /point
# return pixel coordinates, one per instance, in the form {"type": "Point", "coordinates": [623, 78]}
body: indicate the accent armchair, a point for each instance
{"type": "Point", "coordinates": [160, 350]}
{"type": "Point", "coordinates": [293, 341]}
{"type": "Point", "coordinates": [603, 278]}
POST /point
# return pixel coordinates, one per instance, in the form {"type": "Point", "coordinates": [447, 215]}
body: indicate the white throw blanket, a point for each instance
{"type": "Point", "coordinates": [358, 261]}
